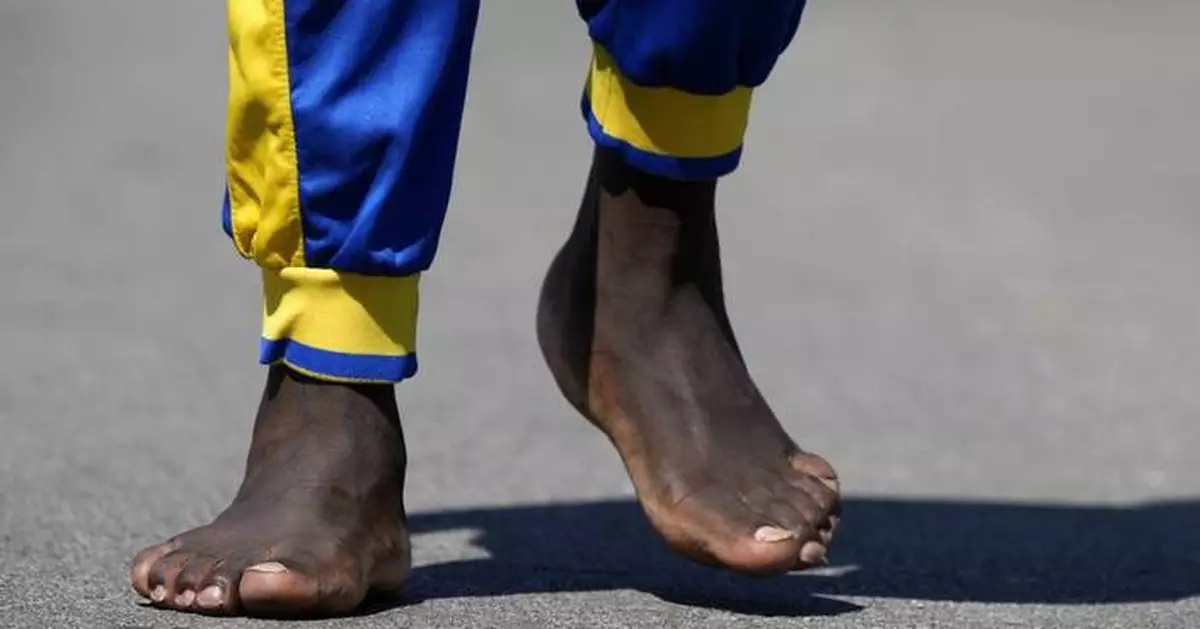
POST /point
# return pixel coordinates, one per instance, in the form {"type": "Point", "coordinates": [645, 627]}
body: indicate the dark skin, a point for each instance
{"type": "Point", "coordinates": [633, 326]}
{"type": "Point", "coordinates": [318, 521]}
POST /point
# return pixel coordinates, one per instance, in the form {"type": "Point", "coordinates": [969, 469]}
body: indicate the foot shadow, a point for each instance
{"type": "Point", "coordinates": [919, 549]}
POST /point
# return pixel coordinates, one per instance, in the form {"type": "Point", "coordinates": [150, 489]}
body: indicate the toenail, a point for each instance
{"type": "Point", "coordinates": [812, 553]}
{"type": "Point", "coordinates": [185, 598]}
{"type": "Point", "coordinates": [210, 597]}
{"type": "Point", "coordinates": [158, 594]}
{"type": "Point", "coordinates": [270, 567]}
{"type": "Point", "coordinates": [772, 534]}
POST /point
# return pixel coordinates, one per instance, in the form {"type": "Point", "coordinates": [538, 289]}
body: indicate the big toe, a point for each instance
{"type": "Point", "coordinates": [274, 589]}
{"type": "Point", "coordinates": [769, 550]}
{"type": "Point", "coordinates": [727, 533]}
{"type": "Point", "coordinates": [766, 550]}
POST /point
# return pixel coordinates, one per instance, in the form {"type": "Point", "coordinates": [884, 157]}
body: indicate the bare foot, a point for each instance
{"type": "Point", "coordinates": [632, 323]}
{"type": "Point", "coordinates": [318, 522]}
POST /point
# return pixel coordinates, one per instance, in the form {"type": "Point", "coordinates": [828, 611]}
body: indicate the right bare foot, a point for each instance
{"type": "Point", "coordinates": [318, 522]}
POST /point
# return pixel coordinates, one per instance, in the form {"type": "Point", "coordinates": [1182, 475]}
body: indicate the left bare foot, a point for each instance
{"type": "Point", "coordinates": [632, 323]}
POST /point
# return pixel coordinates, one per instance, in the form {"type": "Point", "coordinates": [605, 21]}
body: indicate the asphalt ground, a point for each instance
{"type": "Point", "coordinates": [962, 258]}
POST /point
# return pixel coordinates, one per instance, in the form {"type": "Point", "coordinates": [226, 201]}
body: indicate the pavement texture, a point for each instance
{"type": "Point", "coordinates": [962, 255]}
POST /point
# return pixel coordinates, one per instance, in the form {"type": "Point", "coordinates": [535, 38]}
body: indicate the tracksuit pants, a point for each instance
{"type": "Point", "coordinates": [343, 125]}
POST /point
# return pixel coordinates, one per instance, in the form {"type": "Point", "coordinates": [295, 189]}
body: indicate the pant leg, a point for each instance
{"type": "Point", "coordinates": [671, 80]}
{"type": "Point", "coordinates": [343, 127]}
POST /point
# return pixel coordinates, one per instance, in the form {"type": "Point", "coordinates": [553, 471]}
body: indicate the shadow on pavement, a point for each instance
{"type": "Point", "coordinates": [931, 550]}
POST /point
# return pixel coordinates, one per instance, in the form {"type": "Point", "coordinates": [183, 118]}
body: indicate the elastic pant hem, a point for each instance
{"type": "Point", "coordinates": [665, 131]}
{"type": "Point", "coordinates": [340, 327]}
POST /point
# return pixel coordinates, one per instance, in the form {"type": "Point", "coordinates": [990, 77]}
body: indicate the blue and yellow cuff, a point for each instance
{"type": "Point", "coordinates": [340, 327]}
{"type": "Point", "coordinates": [665, 131]}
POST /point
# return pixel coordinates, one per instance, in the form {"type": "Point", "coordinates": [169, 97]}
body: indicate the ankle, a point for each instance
{"type": "Point", "coordinates": [686, 200]}
{"type": "Point", "coordinates": [658, 238]}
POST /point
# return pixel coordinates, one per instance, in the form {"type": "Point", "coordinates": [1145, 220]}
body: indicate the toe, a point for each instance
{"type": "Point", "coordinates": [827, 532]}
{"type": "Point", "coordinates": [821, 506]}
{"type": "Point", "coordinates": [727, 532]}
{"type": "Point", "coordinates": [809, 496]}
{"type": "Point", "coordinates": [817, 505]}
{"type": "Point", "coordinates": [190, 579]}
{"type": "Point", "coordinates": [184, 599]}
{"type": "Point", "coordinates": [762, 550]}
{"type": "Point", "coordinates": [784, 514]}
{"type": "Point", "coordinates": [807, 534]}
{"type": "Point", "coordinates": [213, 599]}
{"type": "Point", "coordinates": [217, 592]}
{"type": "Point", "coordinates": [812, 553]}
{"type": "Point", "coordinates": [143, 563]}
{"type": "Point", "coordinates": [275, 589]}
{"type": "Point", "coordinates": [162, 578]}
{"type": "Point", "coordinates": [817, 467]}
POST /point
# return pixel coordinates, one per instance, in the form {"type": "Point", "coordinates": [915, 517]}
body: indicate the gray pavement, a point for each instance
{"type": "Point", "coordinates": [963, 259]}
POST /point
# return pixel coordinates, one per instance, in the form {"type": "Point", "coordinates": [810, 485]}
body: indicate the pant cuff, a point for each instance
{"type": "Point", "coordinates": [340, 327]}
{"type": "Point", "coordinates": [661, 130]}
